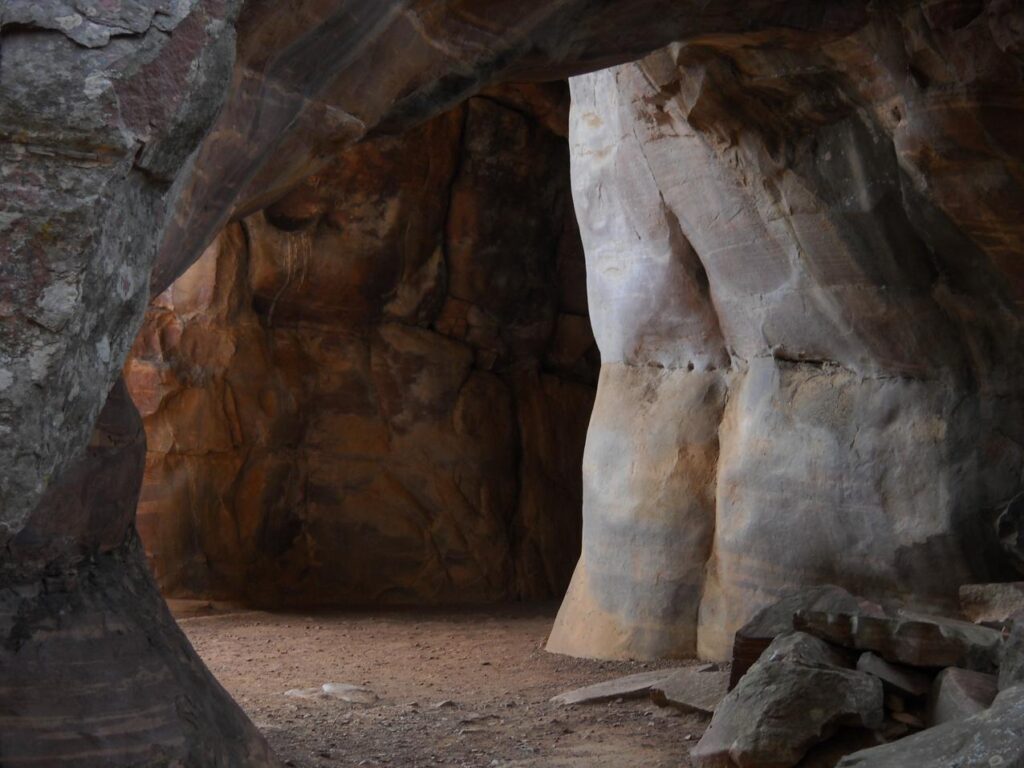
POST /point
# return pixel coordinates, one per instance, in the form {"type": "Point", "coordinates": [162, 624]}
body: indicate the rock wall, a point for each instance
{"type": "Point", "coordinates": [806, 292]}
{"type": "Point", "coordinates": [377, 389]}
{"type": "Point", "coordinates": [833, 193]}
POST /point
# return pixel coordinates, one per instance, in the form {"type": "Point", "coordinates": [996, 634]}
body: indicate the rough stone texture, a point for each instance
{"type": "Point", "coordinates": [697, 689]}
{"type": "Point", "coordinates": [377, 389]}
{"type": "Point", "coordinates": [95, 670]}
{"type": "Point", "coordinates": [87, 155]}
{"type": "Point", "coordinates": [827, 192]}
{"type": "Point", "coordinates": [837, 329]}
{"type": "Point", "coordinates": [895, 677]}
{"type": "Point", "coordinates": [992, 603]}
{"type": "Point", "coordinates": [909, 638]}
{"type": "Point", "coordinates": [960, 693]}
{"type": "Point", "coordinates": [994, 737]}
{"type": "Point", "coordinates": [796, 696]}
{"type": "Point", "coordinates": [773, 620]}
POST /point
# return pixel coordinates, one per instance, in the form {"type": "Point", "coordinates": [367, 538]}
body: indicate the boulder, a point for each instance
{"type": "Point", "coordinates": [773, 620]}
{"type": "Point", "coordinates": [794, 697]}
{"type": "Point", "coordinates": [960, 693]}
{"type": "Point", "coordinates": [908, 638]}
{"type": "Point", "coordinates": [994, 737]}
{"type": "Point", "coordinates": [895, 677]}
{"type": "Point", "coordinates": [992, 603]}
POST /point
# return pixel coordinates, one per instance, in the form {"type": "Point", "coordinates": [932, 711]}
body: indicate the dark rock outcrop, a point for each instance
{"type": "Point", "coordinates": [797, 695]}
{"type": "Point", "coordinates": [993, 737]}
{"type": "Point", "coordinates": [95, 670]}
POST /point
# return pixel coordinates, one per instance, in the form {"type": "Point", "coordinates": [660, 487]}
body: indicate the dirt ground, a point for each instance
{"type": "Point", "coordinates": [466, 688]}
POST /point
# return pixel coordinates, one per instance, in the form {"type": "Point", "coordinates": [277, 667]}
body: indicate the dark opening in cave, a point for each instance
{"type": "Point", "coordinates": [376, 390]}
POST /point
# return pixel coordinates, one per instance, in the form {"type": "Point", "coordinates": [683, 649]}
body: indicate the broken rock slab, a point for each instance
{"type": "Point", "coordinates": [695, 689]}
{"type": "Point", "coordinates": [895, 677]}
{"type": "Point", "coordinates": [908, 638]}
{"type": "Point", "coordinates": [796, 696]}
{"type": "Point", "coordinates": [960, 693]}
{"type": "Point", "coordinates": [773, 620]}
{"type": "Point", "coordinates": [992, 603]}
{"type": "Point", "coordinates": [628, 687]}
{"type": "Point", "coordinates": [994, 737]}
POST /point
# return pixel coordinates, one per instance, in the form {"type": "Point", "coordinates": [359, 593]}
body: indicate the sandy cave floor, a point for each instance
{"type": "Point", "coordinates": [467, 688]}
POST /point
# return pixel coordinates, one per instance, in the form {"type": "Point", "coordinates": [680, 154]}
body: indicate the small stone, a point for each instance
{"type": "Point", "coordinates": [960, 693]}
{"type": "Point", "coordinates": [895, 677]}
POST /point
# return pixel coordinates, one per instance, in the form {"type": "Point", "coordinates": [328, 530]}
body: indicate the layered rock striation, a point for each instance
{"type": "Point", "coordinates": [806, 291]}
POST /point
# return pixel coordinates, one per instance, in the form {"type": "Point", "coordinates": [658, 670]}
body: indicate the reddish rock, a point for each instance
{"type": "Point", "coordinates": [374, 390]}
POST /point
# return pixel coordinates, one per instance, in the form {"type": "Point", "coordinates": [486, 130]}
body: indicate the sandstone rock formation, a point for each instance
{"type": "Point", "coordinates": [377, 389]}
{"type": "Point", "coordinates": [808, 313]}
{"type": "Point", "coordinates": [803, 236]}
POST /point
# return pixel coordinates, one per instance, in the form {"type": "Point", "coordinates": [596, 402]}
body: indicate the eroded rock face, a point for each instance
{"type": "Point", "coordinates": [377, 389]}
{"type": "Point", "coordinates": [795, 258]}
{"type": "Point", "coordinates": [827, 193]}
{"type": "Point", "coordinates": [98, 109]}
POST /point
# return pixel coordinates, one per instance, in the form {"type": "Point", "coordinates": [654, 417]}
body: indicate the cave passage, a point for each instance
{"type": "Point", "coordinates": [375, 391]}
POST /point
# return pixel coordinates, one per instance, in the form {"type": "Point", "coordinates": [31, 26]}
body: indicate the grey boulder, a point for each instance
{"type": "Point", "coordinates": [796, 696]}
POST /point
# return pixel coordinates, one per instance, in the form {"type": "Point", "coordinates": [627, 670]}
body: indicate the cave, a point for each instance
{"type": "Point", "coordinates": [314, 304]}
{"type": "Point", "coordinates": [375, 391]}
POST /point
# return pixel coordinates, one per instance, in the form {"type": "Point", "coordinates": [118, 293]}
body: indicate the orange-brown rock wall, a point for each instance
{"type": "Point", "coordinates": [377, 390]}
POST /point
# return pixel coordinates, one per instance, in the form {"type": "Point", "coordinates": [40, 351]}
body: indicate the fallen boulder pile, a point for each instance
{"type": "Point", "coordinates": [840, 681]}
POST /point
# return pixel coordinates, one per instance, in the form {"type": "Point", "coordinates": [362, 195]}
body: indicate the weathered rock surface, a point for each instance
{"type": "Point", "coordinates": [95, 670]}
{"type": "Point", "coordinates": [802, 229]}
{"type": "Point", "coordinates": [796, 696]}
{"type": "Point", "coordinates": [895, 677]}
{"type": "Point", "coordinates": [960, 693]}
{"type": "Point", "coordinates": [377, 389]}
{"type": "Point", "coordinates": [992, 604]}
{"type": "Point", "coordinates": [837, 325]}
{"type": "Point", "coordinates": [693, 689]}
{"type": "Point", "coordinates": [773, 620]}
{"type": "Point", "coordinates": [994, 737]}
{"type": "Point", "coordinates": [98, 110]}
{"type": "Point", "coordinates": [909, 638]}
